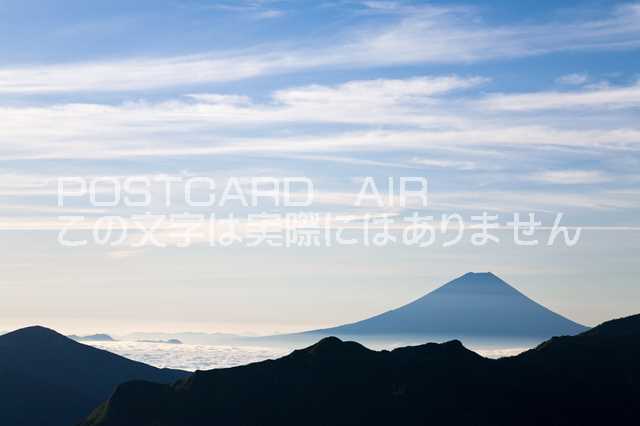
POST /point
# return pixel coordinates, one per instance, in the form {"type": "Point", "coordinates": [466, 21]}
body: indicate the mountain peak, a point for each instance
{"type": "Point", "coordinates": [471, 274]}
{"type": "Point", "coordinates": [36, 333]}
{"type": "Point", "coordinates": [329, 341]}
{"type": "Point", "coordinates": [488, 276]}
{"type": "Point", "coordinates": [333, 347]}
{"type": "Point", "coordinates": [476, 304]}
{"type": "Point", "coordinates": [477, 282]}
{"type": "Point", "coordinates": [34, 329]}
{"type": "Point", "coordinates": [48, 378]}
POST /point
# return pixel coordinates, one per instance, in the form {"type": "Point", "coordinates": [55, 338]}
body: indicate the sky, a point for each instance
{"type": "Point", "coordinates": [504, 107]}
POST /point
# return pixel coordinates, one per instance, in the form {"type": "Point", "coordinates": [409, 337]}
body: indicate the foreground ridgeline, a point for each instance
{"type": "Point", "coordinates": [49, 379]}
{"type": "Point", "coordinates": [591, 378]}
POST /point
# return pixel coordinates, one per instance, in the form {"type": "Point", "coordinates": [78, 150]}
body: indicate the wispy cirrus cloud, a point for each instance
{"type": "Point", "coordinates": [575, 79]}
{"type": "Point", "coordinates": [571, 177]}
{"type": "Point", "coordinates": [387, 91]}
{"type": "Point", "coordinates": [447, 164]}
{"type": "Point", "coordinates": [121, 144]}
{"type": "Point", "coordinates": [601, 98]}
{"type": "Point", "coordinates": [427, 34]}
{"type": "Point", "coordinates": [75, 127]}
{"type": "Point", "coordinates": [384, 114]}
{"type": "Point", "coordinates": [252, 9]}
{"type": "Point", "coordinates": [143, 73]}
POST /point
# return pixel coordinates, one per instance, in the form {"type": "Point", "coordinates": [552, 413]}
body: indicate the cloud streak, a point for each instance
{"type": "Point", "coordinates": [608, 97]}
{"type": "Point", "coordinates": [413, 114]}
{"type": "Point", "coordinates": [571, 177]}
{"type": "Point", "coordinates": [426, 34]}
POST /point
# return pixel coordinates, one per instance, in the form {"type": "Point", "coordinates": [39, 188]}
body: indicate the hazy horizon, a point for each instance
{"type": "Point", "coordinates": [126, 327]}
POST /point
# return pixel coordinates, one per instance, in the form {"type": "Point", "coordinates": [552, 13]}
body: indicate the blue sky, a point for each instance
{"type": "Point", "coordinates": [504, 106]}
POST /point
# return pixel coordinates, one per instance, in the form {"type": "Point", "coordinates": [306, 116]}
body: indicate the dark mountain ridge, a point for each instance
{"type": "Point", "coordinates": [591, 378]}
{"type": "Point", "coordinates": [50, 379]}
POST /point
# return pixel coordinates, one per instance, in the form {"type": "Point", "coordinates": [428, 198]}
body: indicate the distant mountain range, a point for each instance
{"type": "Point", "coordinates": [93, 338]}
{"type": "Point", "coordinates": [168, 341]}
{"type": "Point", "coordinates": [589, 379]}
{"type": "Point", "coordinates": [192, 338]}
{"type": "Point", "coordinates": [49, 379]}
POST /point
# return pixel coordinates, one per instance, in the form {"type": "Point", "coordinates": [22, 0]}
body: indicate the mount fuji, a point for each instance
{"type": "Point", "coordinates": [473, 305]}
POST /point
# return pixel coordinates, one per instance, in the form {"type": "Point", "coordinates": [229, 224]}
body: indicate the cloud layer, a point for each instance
{"type": "Point", "coordinates": [411, 35]}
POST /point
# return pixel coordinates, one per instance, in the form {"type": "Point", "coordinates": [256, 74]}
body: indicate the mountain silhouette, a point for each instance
{"type": "Point", "coordinates": [49, 379]}
{"type": "Point", "coordinates": [101, 337]}
{"type": "Point", "coordinates": [589, 379]}
{"type": "Point", "coordinates": [168, 341]}
{"type": "Point", "coordinates": [473, 305]}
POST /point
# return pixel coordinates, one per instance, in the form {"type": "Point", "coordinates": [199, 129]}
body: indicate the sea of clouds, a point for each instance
{"type": "Point", "coordinates": [188, 357]}
{"type": "Point", "coordinates": [206, 357]}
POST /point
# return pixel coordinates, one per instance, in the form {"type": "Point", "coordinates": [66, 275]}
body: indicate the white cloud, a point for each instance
{"type": "Point", "coordinates": [509, 201]}
{"type": "Point", "coordinates": [601, 98]}
{"type": "Point", "coordinates": [410, 116]}
{"type": "Point", "coordinates": [218, 99]}
{"type": "Point", "coordinates": [419, 35]}
{"type": "Point", "coordinates": [382, 5]}
{"type": "Point", "coordinates": [143, 73]}
{"type": "Point", "coordinates": [448, 164]}
{"type": "Point", "coordinates": [130, 126]}
{"type": "Point", "coordinates": [270, 14]}
{"type": "Point", "coordinates": [377, 91]}
{"type": "Point", "coordinates": [122, 145]}
{"type": "Point", "coordinates": [571, 177]}
{"type": "Point", "coordinates": [89, 131]}
{"type": "Point", "coordinates": [575, 79]}
{"type": "Point", "coordinates": [341, 205]}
